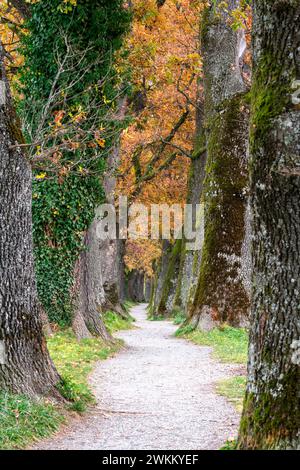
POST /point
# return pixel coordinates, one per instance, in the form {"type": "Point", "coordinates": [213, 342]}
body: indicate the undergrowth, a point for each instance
{"type": "Point", "coordinates": [74, 361]}
{"type": "Point", "coordinates": [114, 322]}
{"type": "Point", "coordinates": [23, 420]}
{"type": "Point", "coordinates": [229, 344]}
{"type": "Point", "coordinates": [234, 390]}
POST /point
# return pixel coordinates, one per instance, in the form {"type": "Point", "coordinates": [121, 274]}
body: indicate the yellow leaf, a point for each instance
{"type": "Point", "coordinates": [101, 142]}
{"type": "Point", "coordinates": [41, 176]}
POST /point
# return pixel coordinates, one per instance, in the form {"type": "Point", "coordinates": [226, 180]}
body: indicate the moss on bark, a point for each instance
{"type": "Point", "coordinates": [266, 422]}
{"type": "Point", "coordinates": [225, 195]}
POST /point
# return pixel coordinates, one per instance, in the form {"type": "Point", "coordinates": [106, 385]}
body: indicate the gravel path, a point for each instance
{"type": "Point", "coordinates": [158, 393]}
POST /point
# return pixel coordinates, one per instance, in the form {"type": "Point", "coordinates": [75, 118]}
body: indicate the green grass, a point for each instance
{"type": "Point", "coordinates": [230, 444]}
{"type": "Point", "coordinates": [234, 390]}
{"type": "Point", "coordinates": [229, 344]}
{"type": "Point", "coordinates": [115, 322]}
{"type": "Point", "coordinates": [74, 361]}
{"type": "Point", "coordinates": [178, 317]}
{"type": "Point", "coordinates": [157, 318]}
{"type": "Point", "coordinates": [22, 420]}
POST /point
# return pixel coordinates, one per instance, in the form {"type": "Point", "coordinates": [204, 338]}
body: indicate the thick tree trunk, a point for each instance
{"type": "Point", "coordinates": [99, 281]}
{"type": "Point", "coordinates": [136, 281]}
{"type": "Point", "coordinates": [112, 251]}
{"type": "Point", "coordinates": [271, 413]}
{"type": "Point", "coordinates": [147, 288]}
{"type": "Point", "coordinates": [160, 275]}
{"type": "Point", "coordinates": [89, 291]}
{"type": "Point", "coordinates": [167, 298]}
{"type": "Point", "coordinates": [47, 330]}
{"type": "Point", "coordinates": [221, 295]}
{"type": "Point", "coordinates": [27, 367]}
{"type": "Point", "coordinates": [163, 296]}
{"type": "Point", "coordinates": [191, 259]}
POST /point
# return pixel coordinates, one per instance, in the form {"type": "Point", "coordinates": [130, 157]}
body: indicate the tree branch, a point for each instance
{"type": "Point", "coordinates": [22, 7]}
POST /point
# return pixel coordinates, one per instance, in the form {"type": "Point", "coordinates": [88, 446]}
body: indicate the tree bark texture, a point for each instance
{"type": "Point", "coordinates": [221, 294]}
{"type": "Point", "coordinates": [163, 301]}
{"type": "Point", "coordinates": [90, 293]}
{"type": "Point", "coordinates": [27, 366]}
{"type": "Point", "coordinates": [271, 416]}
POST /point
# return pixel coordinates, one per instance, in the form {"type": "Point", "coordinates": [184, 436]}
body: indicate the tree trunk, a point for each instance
{"type": "Point", "coordinates": [191, 259]}
{"type": "Point", "coordinates": [89, 290]}
{"type": "Point", "coordinates": [27, 366]}
{"type": "Point", "coordinates": [45, 322]}
{"type": "Point", "coordinates": [147, 288]}
{"type": "Point", "coordinates": [99, 281]}
{"type": "Point", "coordinates": [160, 275]}
{"type": "Point", "coordinates": [271, 413]}
{"type": "Point", "coordinates": [221, 294]}
{"type": "Point", "coordinates": [166, 302]}
{"type": "Point", "coordinates": [136, 286]}
{"type": "Point", "coordinates": [112, 251]}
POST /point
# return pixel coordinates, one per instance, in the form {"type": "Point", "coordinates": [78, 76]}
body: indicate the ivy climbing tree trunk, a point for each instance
{"type": "Point", "coordinates": [26, 366]}
{"type": "Point", "coordinates": [99, 274]}
{"type": "Point", "coordinates": [221, 295]}
{"type": "Point", "coordinates": [271, 414]}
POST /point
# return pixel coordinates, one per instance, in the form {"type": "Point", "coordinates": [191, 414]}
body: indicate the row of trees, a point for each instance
{"type": "Point", "coordinates": [220, 283]}
{"type": "Point", "coordinates": [71, 102]}
{"type": "Point", "coordinates": [72, 114]}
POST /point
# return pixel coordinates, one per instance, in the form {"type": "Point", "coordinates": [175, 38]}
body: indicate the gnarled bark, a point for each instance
{"type": "Point", "coordinates": [27, 366]}
{"type": "Point", "coordinates": [271, 413]}
{"type": "Point", "coordinates": [221, 295]}
{"type": "Point", "coordinates": [89, 291]}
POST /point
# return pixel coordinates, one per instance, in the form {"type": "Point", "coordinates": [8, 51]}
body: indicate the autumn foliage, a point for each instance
{"type": "Point", "coordinates": [165, 63]}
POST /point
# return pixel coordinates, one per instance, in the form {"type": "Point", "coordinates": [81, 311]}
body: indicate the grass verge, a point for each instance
{"type": "Point", "coordinates": [74, 361]}
{"type": "Point", "coordinates": [115, 322]}
{"type": "Point", "coordinates": [23, 421]}
{"type": "Point", "coordinates": [234, 390]}
{"type": "Point", "coordinates": [178, 317]}
{"type": "Point", "coordinates": [229, 344]}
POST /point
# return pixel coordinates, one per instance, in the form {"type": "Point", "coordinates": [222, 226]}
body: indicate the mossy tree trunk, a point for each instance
{"type": "Point", "coordinates": [221, 295]}
{"type": "Point", "coordinates": [271, 413]}
{"type": "Point", "coordinates": [26, 366]}
{"type": "Point", "coordinates": [160, 275]}
{"type": "Point", "coordinates": [191, 258]}
{"type": "Point", "coordinates": [166, 301]}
